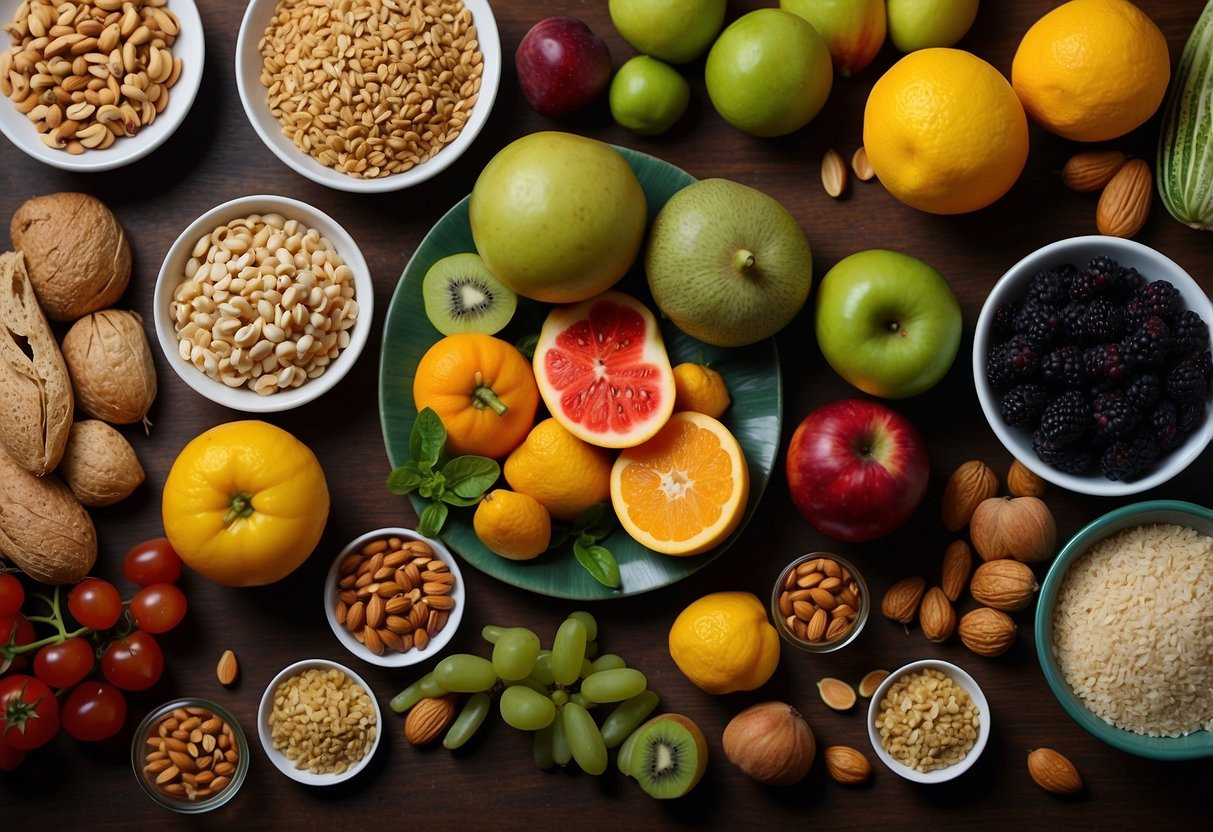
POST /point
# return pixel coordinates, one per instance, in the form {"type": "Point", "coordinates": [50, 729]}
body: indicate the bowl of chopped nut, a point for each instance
{"type": "Point", "coordinates": [263, 303]}
{"type": "Point", "coordinates": [324, 751]}
{"type": "Point", "coordinates": [398, 112]}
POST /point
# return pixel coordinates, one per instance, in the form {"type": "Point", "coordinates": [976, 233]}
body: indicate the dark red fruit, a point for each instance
{"type": "Point", "coordinates": [562, 66]}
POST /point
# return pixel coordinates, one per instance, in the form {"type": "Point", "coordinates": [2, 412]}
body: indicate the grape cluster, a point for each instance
{"type": "Point", "coordinates": [1107, 371]}
{"type": "Point", "coordinates": [551, 692]}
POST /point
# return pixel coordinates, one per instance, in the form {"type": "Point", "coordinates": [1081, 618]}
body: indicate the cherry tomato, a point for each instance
{"type": "Point", "coordinates": [95, 603]}
{"type": "Point", "coordinates": [152, 562]}
{"type": "Point", "coordinates": [12, 594]}
{"type": "Point", "coordinates": [158, 608]}
{"type": "Point", "coordinates": [134, 662]}
{"type": "Point", "coordinates": [63, 665]}
{"type": "Point", "coordinates": [29, 712]}
{"type": "Point", "coordinates": [10, 758]}
{"type": "Point", "coordinates": [15, 630]}
{"type": "Point", "coordinates": [94, 711]}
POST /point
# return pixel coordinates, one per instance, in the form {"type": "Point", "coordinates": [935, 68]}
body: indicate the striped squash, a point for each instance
{"type": "Point", "coordinates": [1185, 148]}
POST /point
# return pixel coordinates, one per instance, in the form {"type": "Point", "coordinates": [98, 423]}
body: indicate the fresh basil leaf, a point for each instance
{"type": "Point", "coordinates": [453, 499]}
{"type": "Point", "coordinates": [432, 487]}
{"type": "Point", "coordinates": [432, 519]}
{"type": "Point", "coordinates": [427, 437]}
{"type": "Point", "coordinates": [598, 521]}
{"type": "Point", "coordinates": [599, 562]}
{"type": "Point", "coordinates": [404, 479]}
{"type": "Point", "coordinates": [470, 476]}
{"type": "Point", "coordinates": [527, 344]}
{"type": "Point", "coordinates": [560, 535]}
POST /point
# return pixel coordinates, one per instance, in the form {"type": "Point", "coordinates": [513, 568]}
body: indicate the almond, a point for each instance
{"type": "Point", "coordinates": [846, 765]}
{"type": "Point", "coordinates": [936, 616]}
{"type": "Point", "coordinates": [987, 632]}
{"type": "Point", "coordinates": [428, 719]}
{"type": "Point", "coordinates": [957, 564]}
{"type": "Point", "coordinates": [861, 165]}
{"type": "Point", "coordinates": [1053, 772]}
{"type": "Point", "coordinates": [900, 602]}
{"type": "Point", "coordinates": [1006, 585]}
{"type": "Point", "coordinates": [1125, 202]}
{"type": "Point", "coordinates": [969, 485]}
{"type": "Point", "coordinates": [836, 693]}
{"type": "Point", "coordinates": [1022, 481]}
{"type": "Point", "coordinates": [1091, 170]}
{"type": "Point", "coordinates": [227, 669]}
{"type": "Point", "coordinates": [833, 174]}
{"type": "Point", "coordinates": [871, 681]}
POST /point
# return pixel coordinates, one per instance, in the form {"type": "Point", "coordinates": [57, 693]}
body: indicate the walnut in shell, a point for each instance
{"type": "Point", "coordinates": [110, 363]}
{"type": "Point", "coordinates": [99, 465]}
{"type": "Point", "coordinates": [78, 256]}
{"type": "Point", "coordinates": [43, 528]}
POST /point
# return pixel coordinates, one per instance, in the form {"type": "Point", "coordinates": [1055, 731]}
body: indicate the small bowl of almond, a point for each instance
{"type": "Point", "coordinates": [190, 755]}
{"type": "Point", "coordinates": [820, 603]}
{"type": "Point", "coordinates": [393, 597]}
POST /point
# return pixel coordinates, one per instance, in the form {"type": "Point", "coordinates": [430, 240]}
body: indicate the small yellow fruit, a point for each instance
{"type": "Point", "coordinates": [513, 525]}
{"type": "Point", "coordinates": [565, 474]}
{"type": "Point", "coordinates": [724, 643]}
{"type": "Point", "coordinates": [699, 388]}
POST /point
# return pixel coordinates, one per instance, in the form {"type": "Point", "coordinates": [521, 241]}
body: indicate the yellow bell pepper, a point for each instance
{"type": "Point", "coordinates": [245, 503]}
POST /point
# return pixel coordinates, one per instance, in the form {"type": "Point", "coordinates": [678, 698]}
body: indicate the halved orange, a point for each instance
{"type": "Point", "coordinates": [683, 491]}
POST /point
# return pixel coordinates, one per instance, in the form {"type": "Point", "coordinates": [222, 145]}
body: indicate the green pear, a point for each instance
{"type": "Point", "coordinates": [922, 24]}
{"type": "Point", "coordinates": [727, 263]}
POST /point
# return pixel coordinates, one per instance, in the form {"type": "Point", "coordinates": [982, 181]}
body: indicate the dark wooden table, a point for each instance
{"type": "Point", "coordinates": [215, 156]}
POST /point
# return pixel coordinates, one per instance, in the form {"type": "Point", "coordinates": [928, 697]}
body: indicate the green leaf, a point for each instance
{"type": "Point", "coordinates": [470, 476]}
{"type": "Point", "coordinates": [427, 438]}
{"type": "Point", "coordinates": [432, 519]}
{"type": "Point", "coordinates": [453, 499]}
{"type": "Point", "coordinates": [598, 521]}
{"type": "Point", "coordinates": [406, 478]}
{"type": "Point", "coordinates": [432, 487]}
{"type": "Point", "coordinates": [527, 344]}
{"type": "Point", "coordinates": [599, 562]}
{"type": "Point", "coordinates": [560, 535]}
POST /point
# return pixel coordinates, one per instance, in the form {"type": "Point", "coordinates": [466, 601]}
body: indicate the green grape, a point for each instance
{"type": "Point", "coordinates": [514, 653]}
{"type": "Point", "coordinates": [591, 626]}
{"type": "Point", "coordinates": [492, 632]}
{"type": "Point", "coordinates": [568, 651]}
{"type": "Point", "coordinates": [543, 668]}
{"type": "Point", "coordinates": [423, 688]}
{"type": "Point", "coordinates": [607, 661]}
{"type": "Point", "coordinates": [541, 746]}
{"type": "Point", "coordinates": [465, 673]}
{"type": "Point", "coordinates": [534, 684]}
{"type": "Point", "coordinates": [585, 741]}
{"type": "Point", "coordinates": [586, 669]}
{"type": "Point", "coordinates": [626, 718]}
{"type": "Point", "coordinates": [591, 649]}
{"type": "Point", "coordinates": [561, 754]}
{"type": "Point", "coordinates": [559, 696]}
{"type": "Point", "coordinates": [613, 685]}
{"type": "Point", "coordinates": [580, 700]}
{"type": "Point", "coordinates": [468, 721]}
{"type": "Point", "coordinates": [526, 710]}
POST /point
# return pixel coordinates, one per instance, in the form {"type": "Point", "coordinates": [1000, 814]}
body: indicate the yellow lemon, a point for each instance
{"type": "Point", "coordinates": [944, 131]}
{"type": "Point", "coordinates": [724, 643]}
{"type": "Point", "coordinates": [565, 474]}
{"type": "Point", "coordinates": [512, 525]}
{"type": "Point", "coordinates": [1092, 70]}
{"type": "Point", "coordinates": [699, 388]}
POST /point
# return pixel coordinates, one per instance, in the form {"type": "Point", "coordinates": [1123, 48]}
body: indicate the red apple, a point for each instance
{"type": "Point", "coordinates": [562, 65]}
{"type": "Point", "coordinates": [857, 470]}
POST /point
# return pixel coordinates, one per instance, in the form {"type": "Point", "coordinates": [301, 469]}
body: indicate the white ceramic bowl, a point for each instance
{"type": "Point", "coordinates": [189, 46]}
{"type": "Point", "coordinates": [1013, 286]}
{"type": "Point", "coordinates": [939, 775]}
{"type": "Point", "coordinates": [279, 759]}
{"type": "Point", "coordinates": [172, 272]}
{"type": "Point", "coordinates": [391, 658]}
{"type": "Point", "coordinates": [256, 107]}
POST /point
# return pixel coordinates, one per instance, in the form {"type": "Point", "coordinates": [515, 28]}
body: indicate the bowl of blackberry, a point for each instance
{"type": "Point", "coordinates": [1091, 360]}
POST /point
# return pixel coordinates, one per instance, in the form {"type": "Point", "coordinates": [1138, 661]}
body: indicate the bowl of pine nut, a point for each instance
{"type": "Point", "coordinates": [119, 78]}
{"type": "Point", "coordinates": [365, 98]}
{"type": "Point", "coordinates": [263, 304]}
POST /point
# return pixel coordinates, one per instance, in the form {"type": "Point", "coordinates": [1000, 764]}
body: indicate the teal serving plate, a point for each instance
{"type": "Point", "coordinates": [751, 373]}
{"type": "Point", "coordinates": [1196, 744]}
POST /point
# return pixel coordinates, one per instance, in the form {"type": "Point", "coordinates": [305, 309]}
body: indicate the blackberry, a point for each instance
{"type": "Point", "coordinates": [1041, 325]}
{"type": "Point", "coordinates": [1004, 320]}
{"type": "Point", "coordinates": [1064, 366]}
{"type": "Point", "coordinates": [1150, 345]}
{"type": "Point", "coordinates": [1023, 405]}
{"type": "Point", "coordinates": [1189, 417]}
{"type": "Point", "coordinates": [1065, 419]}
{"type": "Point", "coordinates": [1021, 358]}
{"type": "Point", "coordinates": [1164, 425]}
{"type": "Point", "coordinates": [1098, 278]}
{"type": "Point", "coordinates": [1112, 416]}
{"type": "Point", "coordinates": [1072, 459]}
{"type": "Point", "coordinates": [1188, 381]}
{"type": "Point", "coordinates": [1128, 281]}
{"type": "Point", "coordinates": [1128, 459]}
{"type": "Point", "coordinates": [1191, 333]}
{"type": "Point", "coordinates": [1158, 298]}
{"type": "Point", "coordinates": [998, 373]}
{"type": "Point", "coordinates": [1071, 321]}
{"type": "Point", "coordinates": [1105, 363]}
{"type": "Point", "coordinates": [1052, 286]}
{"type": "Point", "coordinates": [1144, 392]}
{"type": "Point", "coordinates": [1104, 321]}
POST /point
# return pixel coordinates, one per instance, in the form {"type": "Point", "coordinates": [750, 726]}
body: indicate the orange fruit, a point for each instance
{"type": "Point", "coordinates": [724, 643]}
{"type": "Point", "coordinates": [945, 132]}
{"type": "Point", "coordinates": [1092, 70]}
{"type": "Point", "coordinates": [683, 491]}
{"type": "Point", "coordinates": [565, 474]}
{"type": "Point", "coordinates": [699, 388]}
{"type": "Point", "coordinates": [512, 525]}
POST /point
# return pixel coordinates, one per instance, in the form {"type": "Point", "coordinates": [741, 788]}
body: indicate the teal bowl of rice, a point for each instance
{"type": "Point", "coordinates": [1124, 629]}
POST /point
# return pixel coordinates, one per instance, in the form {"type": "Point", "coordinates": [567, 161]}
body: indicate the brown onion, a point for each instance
{"type": "Point", "coordinates": [770, 742]}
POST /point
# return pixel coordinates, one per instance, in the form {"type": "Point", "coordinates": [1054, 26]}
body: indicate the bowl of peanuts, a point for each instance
{"type": "Point", "coordinates": [394, 598]}
{"type": "Point", "coordinates": [263, 303]}
{"type": "Point", "coordinates": [368, 98]}
{"type": "Point", "coordinates": [119, 80]}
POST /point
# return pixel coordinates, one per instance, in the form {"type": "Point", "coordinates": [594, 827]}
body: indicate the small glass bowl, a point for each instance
{"type": "Point", "coordinates": [781, 612]}
{"type": "Point", "coordinates": [182, 803]}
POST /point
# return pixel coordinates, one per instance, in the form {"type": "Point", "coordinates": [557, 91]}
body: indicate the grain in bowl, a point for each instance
{"type": "Point", "coordinates": [927, 721]}
{"type": "Point", "coordinates": [322, 720]}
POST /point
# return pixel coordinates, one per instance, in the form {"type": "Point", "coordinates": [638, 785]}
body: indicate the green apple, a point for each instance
{"type": "Point", "coordinates": [676, 31]}
{"type": "Point", "coordinates": [557, 217]}
{"type": "Point", "coordinates": [854, 30]}
{"type": "Point", "coordinates": [647, 95]}
{"type": "Point", "coordinates": [887, 323]}
{"type": "Point", "coordinates": [769, 73]}
{"type": "Point", "coordinates": [921, 24]}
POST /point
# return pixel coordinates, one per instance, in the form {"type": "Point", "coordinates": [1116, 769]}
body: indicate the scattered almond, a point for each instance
{"type": "Point", "coordinates": [900, 602]}
{"type": "Point", "coordinates": [428, 719]}
{"type": "Point", "coordinates": [957, 564]}
{"type": "Point", "coordinates": [836, 693]}
{"type": "Point", "coordinates": [228, 668]}
{"type": "Point", "coordinates": [1022, 481]}
{"type": "Point", "coordinates": [1053, 772]}
{"type": "Point", "coordinates": [936, 616]}
{"type": "Point", "coordinates": [1124, 204]}
{"type": "Point", "coordinates": [969, 485]}
{"type": "Point", "coordinates": [1091, 170]}
{"type": "Point", "coordinates": [833, 174]}
{"type": "Point", "coordinates": [871, 681]}
{"type": "Point", "coordinates": [847, 765]}
{"type": "Point", "coordinates": [861, 166]}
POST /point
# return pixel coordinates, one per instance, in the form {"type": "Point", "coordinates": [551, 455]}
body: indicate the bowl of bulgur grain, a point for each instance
{"type": "Point", "coordinates": [368, 96]}
{"type": "Point", "coordinates": [320, 751]}
{"type": "Point", "coordinates": [1124, 629]}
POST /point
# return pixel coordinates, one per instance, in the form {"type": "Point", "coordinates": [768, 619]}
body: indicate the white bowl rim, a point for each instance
{"type": "Point", "coordinates": [392, 658]}
{"type": "Point", "coordinates": [243, 399]}
{"type": "Point", "coordinates": [303, 164]}
{"type": "Point", "coordinates": [962, 678]}
{"type": "Point", "coordinates": [278, 759]}
{"type": "Point", "coordinates": [131, 148]}
{"type": "Point", "coordinates": [1093, 484]}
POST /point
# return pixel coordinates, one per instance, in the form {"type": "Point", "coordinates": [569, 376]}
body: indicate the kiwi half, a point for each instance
{"type": "Point", "coordinates": [667, 756]}
{"type": "Point", "coordinates": [462, 295]}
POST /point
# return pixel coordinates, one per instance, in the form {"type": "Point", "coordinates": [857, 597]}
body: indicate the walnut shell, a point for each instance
{"type": "Point", "coordinates": [986, 631]}
{"type": "Point", "coordinates": [1006, 585]}
{"type": "Point", "coordinates": [110, 363]}
{"type": "Point", "coordinates": [43, 528]}
{"type": "Point", "coordinates": [99, 465]}
{"type": "Point", "coordinates": [1022, 528]}
{"type": "Point", "coordinates": [78, 256]}
{"type": "Point", "coordinates": [35, 390]}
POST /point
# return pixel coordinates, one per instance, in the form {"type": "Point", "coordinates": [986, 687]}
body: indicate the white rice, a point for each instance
{"type": "Point", "coordinates": [1133, 630]}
